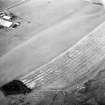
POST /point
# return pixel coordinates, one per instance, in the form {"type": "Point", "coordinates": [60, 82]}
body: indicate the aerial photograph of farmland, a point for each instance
{"type": "Point", "coordinates": [52, 52]}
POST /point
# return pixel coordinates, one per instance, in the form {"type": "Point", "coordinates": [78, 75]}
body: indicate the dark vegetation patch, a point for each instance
{"type": "Point", "coordinates": [15, 87]}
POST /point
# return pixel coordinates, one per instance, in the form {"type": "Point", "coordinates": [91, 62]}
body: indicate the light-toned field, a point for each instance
{"type": "Point", "coordinates": [42, 14]}
{"type": "Point", "coordinates": [49, 43]}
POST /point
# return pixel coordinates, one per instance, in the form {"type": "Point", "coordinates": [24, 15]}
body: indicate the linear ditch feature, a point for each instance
{"type": "Point", "coordinates": [15, 87]}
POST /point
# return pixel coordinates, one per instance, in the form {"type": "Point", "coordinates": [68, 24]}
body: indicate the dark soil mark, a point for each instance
{"type": "Point", "coordinates": [15, 87]}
